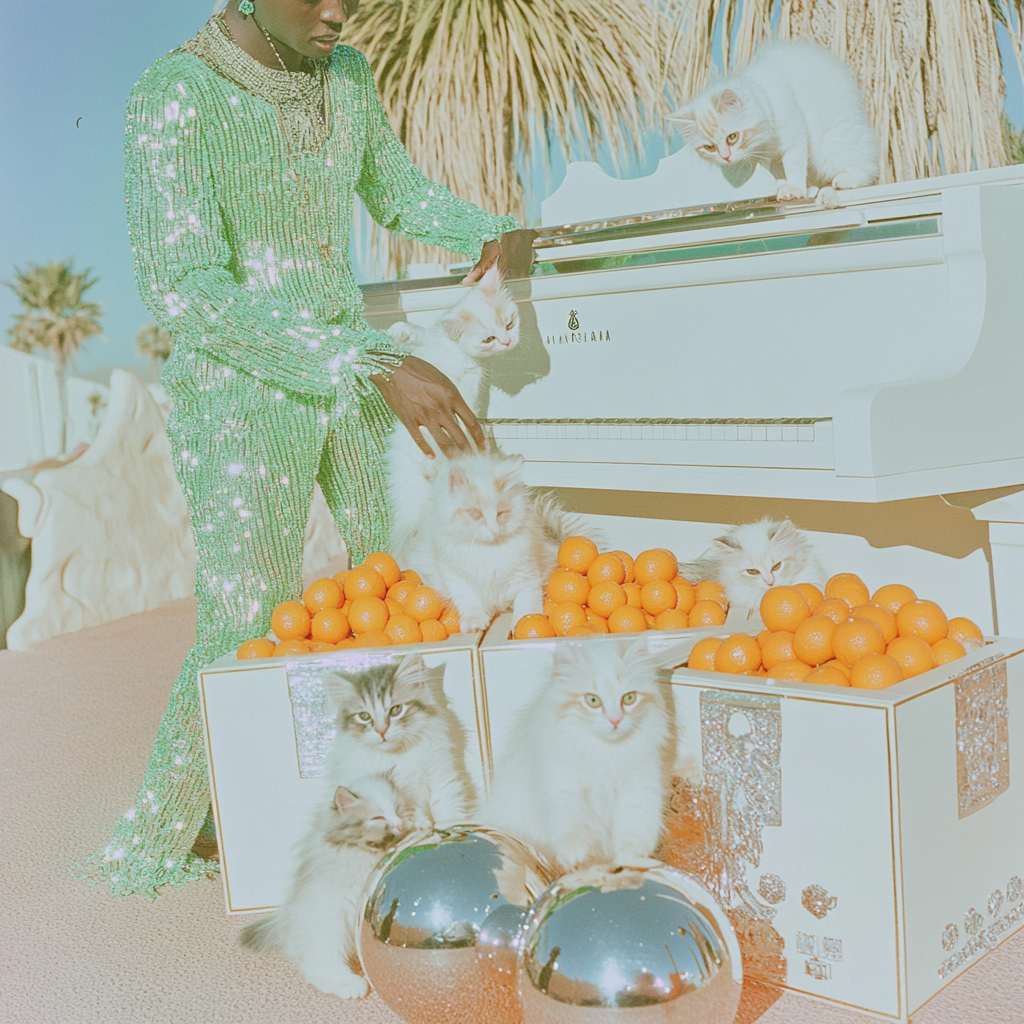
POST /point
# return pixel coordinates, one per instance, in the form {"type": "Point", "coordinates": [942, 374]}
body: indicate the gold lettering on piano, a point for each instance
{"type": "Point", "coordinates": [577, 337]}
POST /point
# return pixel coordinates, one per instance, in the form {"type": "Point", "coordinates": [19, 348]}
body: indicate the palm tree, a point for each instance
{"type": "Point", "coordinates": [55, 317]}
{"type": "Point", "coordinates": [929, 69]}
{"type": "Point", "coordinates": [155, 342]}
{"type": "Point", "coordinates": [470, 85]}
{"type": "Point", "coordinates": [1010, 14]}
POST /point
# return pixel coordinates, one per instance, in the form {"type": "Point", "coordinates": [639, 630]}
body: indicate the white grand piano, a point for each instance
{"type": "Point", "coordinates": [872, 353]}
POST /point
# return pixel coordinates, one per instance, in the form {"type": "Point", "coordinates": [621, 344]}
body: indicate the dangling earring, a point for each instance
{"type": "Point", "coordinates": [246, 7]}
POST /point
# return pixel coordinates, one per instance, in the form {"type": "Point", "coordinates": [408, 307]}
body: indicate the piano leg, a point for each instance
{"type": "Point", "coordinates": [1005, 518]}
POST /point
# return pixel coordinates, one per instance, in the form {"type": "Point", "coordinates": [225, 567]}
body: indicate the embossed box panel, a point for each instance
{"type": "Point", "coordinates": [265, 737]}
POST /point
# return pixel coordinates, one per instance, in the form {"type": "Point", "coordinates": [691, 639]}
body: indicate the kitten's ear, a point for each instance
{"type": "Point", "coordinates": [455, 326]}
{"type": "Point", "coordinates": [336, 687]}
{"type": "Point", "coordinates": [344, 799]}
{"type": "Point", "coordinates": [727, 100]}
{"type": "Point", "coordinates": [727, 543]}
{"type": "Point", "coordinates": [457, 479]}
{"type": "Point", "coordinates": [512, 464]}
{"type": "Point", "coordinates": [491, 280]}
{"type": "Point", "coordinates": [412, 671]}
{"type": "Point", "coordinates": [683, 121]}
{"type": "Point", "coordinates": [783, 531]}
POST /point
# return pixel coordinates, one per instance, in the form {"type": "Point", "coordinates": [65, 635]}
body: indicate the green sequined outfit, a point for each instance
{"type": "Point", "coordinates": [239, 184]}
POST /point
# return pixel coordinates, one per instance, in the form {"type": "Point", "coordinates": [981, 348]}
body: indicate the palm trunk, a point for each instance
{"type": "Point", "coordinates": [62, 391]}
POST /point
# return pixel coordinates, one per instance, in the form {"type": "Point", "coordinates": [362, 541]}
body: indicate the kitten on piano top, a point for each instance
{"type": "Point", "coordinates": [797, 110]}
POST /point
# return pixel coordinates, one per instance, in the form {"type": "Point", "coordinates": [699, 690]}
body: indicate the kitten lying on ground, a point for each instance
{"type": "Point", "coordinates": [797, 110]}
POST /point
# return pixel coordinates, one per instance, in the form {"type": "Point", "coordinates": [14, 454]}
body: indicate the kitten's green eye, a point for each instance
{"type": "Point", "coordinates": [476, 514]}
{"type": "Point", "coordinates": [732, 138]}
{"type": "Point", "coordinates": [364, 717]}
{"type": "Point", "coordinates": [710, 148]}
{"type": "Point", "coordinates": [510, 324]}
{"type": "Point", "coordinates": [776, 567]}
{"type": "Point", "coordinates": [396, 711]}
{"type": "Point", "coordinates": [629, 698]}
{"type": "Point", "coordinates": [592, 700]}
{"type": "Point", "coordinates": [754, 572]}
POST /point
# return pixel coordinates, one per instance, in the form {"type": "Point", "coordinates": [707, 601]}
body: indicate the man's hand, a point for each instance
{"type": "Point", "coordinates": [488, 257]}
{"type": "Point", "coordinates": [420, 395]}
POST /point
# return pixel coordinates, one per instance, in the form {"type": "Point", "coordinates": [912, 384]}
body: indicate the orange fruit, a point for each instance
{"type": "Point", "coordinates": [875, 672]}
{"type": "Point", "coordinates": [657, 597]}
{"type": "Point", "coordinates": [671, 618]}
{"type": "Point", "coordinates": [627, 564]}
{"type": "Point", "coordinates": [258, 648]}
{"type": "Point", "coordinates": [432, 631]}
{"type": "Point", "coordinates": [368, 615]}
{"type": "Point", "coordinates": [548, 606]}
{"type": "Point", "coordinates": [649, 619]}
{"type": "Point", "coordinates": [812, 640]}
{"type": "Point", "coordinates": [347, 605]}
{"type": "Point", "coordinates": [339, 578]}
{"type": "Point", "coordinates": [401, 590]}
{"type": "Point", "coordinates": [838, 666]}
{"type": "Point", "coordinates": [385, 566]}
{"type": "Point", "coordinates": [323, 593]}
{"type": "Point", "coordinates": [881, 617]}
{"type": "Point", "coordinates": [343, 644]}
{"type": "Point", "coordinates": [290, 621]}
{"type": "Point", "coordinates": [738, 653]}
{"type": "Point", "coordinates": [626, 620]}
{"type": "Point", "coordinates": [364, 582]}
{"type": "Point", "coordinates": [371, 639]}
{"type": "Point", "coordinates": [784, 608]}
{"type": "Point", "coordinates": [291, 647]}
{"type": "Point", "coordinates": [320, 646]}
{"type": "Point", "coordinates": [604, 597]}
{"type": "Point", "coordinates": [632, 592]}
{"type": "Point", "coordinates": [566, 615]}
{"type": "Point", "coordinates": [329, 626]}
{"type": "Point", "coordinates": [827, 677]}
{"type": "Point", "coordinates": [655, 564]}
{"type": "Point", "coordinates": [777, 647]}
{"type": "Point", "coordinates": [423, 603]}
{"type": "Point", "coordinates": [394, 608]}
{"type": "Point", "coordinates": [606, 567]}
{"type": "Point", "coordinates": [855, 638]}
{"type": "Point", "coordinates": [686, 594]}
{"type": "Point", "coordinates": [924, 619]}
{"type": "Point", "coordinates": [702, 654]}
{"type": "Point", "coordinates": [793, 671]}
{"type": "Point", "coordinates": [566, 585]}
{"type": "Point", "coordinates": [763, 636]}
{"type": "Point", "coordinates": [404, 629]}
{"type": "Point", "coordinates": [530, 627]}
{"type": "Point", "coordinates": [707, 613]}
{"type": "Point", "coordinates": [709, 590]}
{"type": "Point", "coordinates": [449, 618]}
{"type": "Point", "coordinates": [834, 608]}
{"type": "Point", "coordinates": [577, 553]}
{"type": "Point", "coordinates": [948, 650]}
{"type": "Point", "coordinates": [812, 593]}
{"type": "Point", "coordinates": [912, 654]}
{"type": "Point", "coordinates": [596, 622]}
{"type": "Point", "coordinates": [965, 632]}
{"type": "Point", "coordinates": [580, 631]}
{"type": "Point", "coordinates": [893, 596]}
{"type": "Point", "coordinates": [411, 576]}
{"type": "Point", "coordinates": [850, 587]}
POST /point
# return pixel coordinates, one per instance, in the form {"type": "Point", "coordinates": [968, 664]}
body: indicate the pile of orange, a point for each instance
{"type": "Point", "coordinates": [842, 637]}
{"type": "Point", "coordinates": [591, 592]}
{"type": "Point", "coordinates": [373, 605]}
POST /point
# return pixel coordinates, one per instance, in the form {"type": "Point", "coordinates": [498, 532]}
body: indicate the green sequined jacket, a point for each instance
{"type": "Point", "coordinates": [239, 185]}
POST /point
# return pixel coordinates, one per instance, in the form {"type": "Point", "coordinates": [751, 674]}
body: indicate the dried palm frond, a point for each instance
{"type": "Point", "coordinates": [1010, 14]}
{"type": "Point", "coordinates": [471, 84]}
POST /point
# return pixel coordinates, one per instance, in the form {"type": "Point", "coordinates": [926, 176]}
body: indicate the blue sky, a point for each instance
{"type": "Point", "coordinates": [62, 185]}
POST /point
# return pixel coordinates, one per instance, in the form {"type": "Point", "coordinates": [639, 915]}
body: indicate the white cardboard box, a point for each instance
{"type": "Point", "coordinates": [266, 731]}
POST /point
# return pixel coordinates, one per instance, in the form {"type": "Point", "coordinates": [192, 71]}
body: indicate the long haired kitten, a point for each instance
{"type": "Point", "coordinates": [749, 559]}
{"type": "Point", "coordinates": [586, 773]}
{"type": "Point", "coordinates": [484, 539]}
{"type": "Point", "coordinates": [484, 323]}
{"type": "Point", "coordinates": [797, 110]}
{"type": "Point", "coordinates": [394, 718]}
{"type": "Point", "coordinates": [316, 925]}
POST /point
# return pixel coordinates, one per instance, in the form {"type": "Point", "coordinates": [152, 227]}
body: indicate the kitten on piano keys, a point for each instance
{"type": "Point", "coordinates": [750, 558]}
{"type": "Point", "coordinates": [484, 323]}
{"type": "Point", "coordinates": [796, 109]}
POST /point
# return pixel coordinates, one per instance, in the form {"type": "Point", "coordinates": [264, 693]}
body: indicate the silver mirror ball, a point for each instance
{"type": "Point", "coordinates": [632, 945]}
{"type": "Point", "coordinates": [439, 934]}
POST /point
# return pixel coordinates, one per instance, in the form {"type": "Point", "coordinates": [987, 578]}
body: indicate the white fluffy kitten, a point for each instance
{"type": "Point", "coordinates": [316, 925]}
{"type": "Point", "coordinates": [484, 540]}
{"type": "Point", "coordinates": [796, 109]}
{"type": "Point", "coordinates": [484, 323]}
{"type": "Point", "coordinates": [750, 558]}
{"type": "Point", "coordinates": [393, 718]}
{"type": "Point", "coordinates": [586, 774]}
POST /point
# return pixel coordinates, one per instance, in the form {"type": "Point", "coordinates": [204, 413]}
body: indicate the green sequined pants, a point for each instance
{"type": "Point", "coordinates": [246, 456]}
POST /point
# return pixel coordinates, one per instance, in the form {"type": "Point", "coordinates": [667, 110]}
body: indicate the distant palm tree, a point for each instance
{"type": "Point", "coordinates": [470, 85]}
{"type": "Point", "coordinates": [55, 317]}
{"type": "Point", "coordinates": [1010, 14]}
{"type": "Point", "coordinates": [155, 342]}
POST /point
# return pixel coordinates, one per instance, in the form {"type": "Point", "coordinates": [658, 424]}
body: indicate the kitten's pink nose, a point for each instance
{"type": "Point", "coordinates": [381, 731]}
{"type": "Point", "coordinates": [615, 721]}
{"type": "Point", "coordinates": [770, 580]}
{"type": "Point", "coordinates": [505, 342]}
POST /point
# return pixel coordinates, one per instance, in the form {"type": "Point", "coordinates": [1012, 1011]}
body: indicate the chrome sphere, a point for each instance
{"type": "Point", "coordinates": [644, 944]}
{"type": "Point", "coordinates": [439, 935]}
